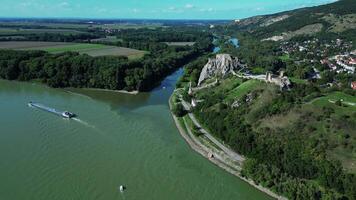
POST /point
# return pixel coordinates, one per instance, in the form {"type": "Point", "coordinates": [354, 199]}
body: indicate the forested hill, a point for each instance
{"type": "Point", "coordinates": [299, 142]}
{"type": "Point", "coordinates": [335, 19]}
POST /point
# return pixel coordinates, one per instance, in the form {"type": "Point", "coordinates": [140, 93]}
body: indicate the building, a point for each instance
{"type": "Point", "coordinates": [353, 85]}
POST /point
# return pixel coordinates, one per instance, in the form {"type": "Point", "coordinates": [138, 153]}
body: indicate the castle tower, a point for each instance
{"type": "Point", "coordinates": [281, 74]}
{"type": "Point", "coordinates": [268, 77]}
{"type": "Point", "coordinates": [190, 91]}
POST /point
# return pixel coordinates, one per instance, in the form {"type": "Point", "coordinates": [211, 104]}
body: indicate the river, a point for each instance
{"type": "Point", "coordinates": [118, 139]}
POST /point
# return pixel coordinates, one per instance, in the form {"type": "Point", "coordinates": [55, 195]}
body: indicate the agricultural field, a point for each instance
{"type": "Point", "coordinates": [20, 31]}
{"type": "Point", "coordinates": [107, 39]}
{"type": "Point", "coordinates": [83, 48]}
{"type": "Point", "coordinates": [87, 25]}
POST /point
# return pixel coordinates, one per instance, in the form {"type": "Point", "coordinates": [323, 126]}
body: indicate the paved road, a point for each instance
{"type": "Point", "coordinates": [235, 156]}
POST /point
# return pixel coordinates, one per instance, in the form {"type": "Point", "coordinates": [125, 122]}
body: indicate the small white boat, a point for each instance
{"type": "Point", "coordinates": [67, 114]}
{"type": "Point", "coordinates": [122, 188]}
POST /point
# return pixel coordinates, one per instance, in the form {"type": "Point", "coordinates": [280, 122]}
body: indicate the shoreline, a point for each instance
{"type": "Point", "coordinates": [135, 92]}
{"type": "Point", "coordinates": [205, 151]}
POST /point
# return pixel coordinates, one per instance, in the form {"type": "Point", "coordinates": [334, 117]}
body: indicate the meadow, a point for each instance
{"type": "Point", "coordinates": [20, 31]}
{"type": "Point", "coordinates": [82, 48]}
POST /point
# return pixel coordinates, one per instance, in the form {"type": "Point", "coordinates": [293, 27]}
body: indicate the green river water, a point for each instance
{"type": "Point", "coordinates": [118, 139]}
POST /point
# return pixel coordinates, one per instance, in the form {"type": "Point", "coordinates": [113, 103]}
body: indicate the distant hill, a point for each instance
{"type": "Point", "coordinates": [329, 20]}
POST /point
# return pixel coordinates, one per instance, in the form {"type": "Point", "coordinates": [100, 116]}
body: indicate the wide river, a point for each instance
{"type": "Point", "coordinates": [118, 139]}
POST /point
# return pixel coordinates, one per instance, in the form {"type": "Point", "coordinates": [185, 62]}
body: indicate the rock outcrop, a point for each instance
{"type": "Point", "coordinates": [221, 66]}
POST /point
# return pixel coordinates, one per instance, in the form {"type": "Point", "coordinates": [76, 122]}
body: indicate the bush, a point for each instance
{"type": "Point", "coordinates": [179, 111]}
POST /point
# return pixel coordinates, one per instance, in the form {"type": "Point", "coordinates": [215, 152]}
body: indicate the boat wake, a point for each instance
{"type": "Point", "coordinates": [64, 114]}
{"type": "Point", "coordinates": [83, 122]}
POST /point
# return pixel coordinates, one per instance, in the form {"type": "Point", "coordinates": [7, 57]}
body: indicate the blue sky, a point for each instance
{"type": "Point", "coordinates": [149, 9]}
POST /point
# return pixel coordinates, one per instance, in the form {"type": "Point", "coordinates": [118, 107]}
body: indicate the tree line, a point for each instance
{"type": "Point", "coordinates": [116, 73]}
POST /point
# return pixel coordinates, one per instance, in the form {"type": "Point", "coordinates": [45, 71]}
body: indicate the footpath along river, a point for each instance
{"type": "Point", "coordinates": [117, 139]}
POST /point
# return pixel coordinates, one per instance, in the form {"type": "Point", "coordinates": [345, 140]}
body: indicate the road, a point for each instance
{"type": "Point", "coordinates": [233, 155]}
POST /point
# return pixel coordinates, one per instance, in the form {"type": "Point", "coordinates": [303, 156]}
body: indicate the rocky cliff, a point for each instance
{"type": "Point", "coordinates": [221, 66]}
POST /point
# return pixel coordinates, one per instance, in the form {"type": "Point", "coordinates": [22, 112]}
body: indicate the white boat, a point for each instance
{"type": "Point", "coordinates": [122, 188]}
{"type": "Point", "coordinates": [64, 114]}
{"type": "Point", "coordinates": [67, 114]}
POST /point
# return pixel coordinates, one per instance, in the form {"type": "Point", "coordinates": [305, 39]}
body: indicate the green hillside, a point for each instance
{"type": "Point", "coordinates": [300, 143]}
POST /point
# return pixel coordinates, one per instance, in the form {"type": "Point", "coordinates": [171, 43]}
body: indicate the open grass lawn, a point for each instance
{"type": "Point", "coordinates": [244, 89]}
{"type": "Point", "coordinates": [83, 48]}
{"type": "Point", "coordinates": [225, 86]}
{"type": "Point", "coordinates": [285, 57]}
{"type": "Point", "coordinates": [298, 80]}
{"type": "Point", "coordinates": [348, 103]}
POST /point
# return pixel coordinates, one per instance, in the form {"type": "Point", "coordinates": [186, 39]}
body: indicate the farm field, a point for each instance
{"type": "Point", "coordinates": [88, 25]}
{"type": "Point", "coordinates": [83, 48]}
{"type": "Point", "coordinates": [107, 39]}
{"type": "Point", "coordinates": [20, 31]}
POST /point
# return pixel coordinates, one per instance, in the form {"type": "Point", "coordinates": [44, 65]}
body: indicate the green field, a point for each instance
{"type": "Point", "coordinates": [83, 48]}
{"type": "Point", "coordinates": [107, 39]}
{"type": "Point", "coordinates": [74, 25]}
{"type": "Point", "coordinates": [348, 102]}
{"type": "Point", "coordinates": [19, 31]}
{"type": "Point", "coordinates": [244, 89]}
{"type": "Point", "coordinates": [298, 80]}
{"type": "Point", "coordinates": [285, 57]}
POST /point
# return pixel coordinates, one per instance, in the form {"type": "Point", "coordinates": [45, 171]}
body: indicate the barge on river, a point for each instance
{"type": "Point", "coordinates": [64, 114]}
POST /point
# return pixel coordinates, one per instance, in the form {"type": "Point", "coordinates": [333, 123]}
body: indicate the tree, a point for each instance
{"type": "Point", "coordinates": [178, 110]}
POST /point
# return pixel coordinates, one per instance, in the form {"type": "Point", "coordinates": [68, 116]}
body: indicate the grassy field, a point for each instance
{"type": "Point", "coordinates": [244, 89]}
{"type": "Point", "coordinates": [83, 48]}
{"type": "Point", "coordinates": [107, 39]}
{"type": "Point", "coordinates": [298, 81]}
{"type": "Point", "coordinates": [224, 86]}
{"type": "Point", "coordinates": [285, 57]}
{"type": "Point", "coordinates": [348, 102]}
{"type": "Point", "coordinates": [16, 31]}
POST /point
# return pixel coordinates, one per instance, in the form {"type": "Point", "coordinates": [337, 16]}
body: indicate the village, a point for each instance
{"type": "Point", "coordinates": [336, 56]}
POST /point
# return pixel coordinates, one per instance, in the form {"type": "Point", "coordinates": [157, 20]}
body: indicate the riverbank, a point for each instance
{"type": "Point", "coordinates": [135, 92]}
{"type": "Point", "coordinates": [212, 153]}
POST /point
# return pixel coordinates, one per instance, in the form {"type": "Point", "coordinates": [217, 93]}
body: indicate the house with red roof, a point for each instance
{"type": "Point", "coordinates": [353, 85]}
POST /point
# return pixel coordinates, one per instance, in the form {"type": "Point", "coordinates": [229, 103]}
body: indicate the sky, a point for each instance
{"type": "Point", "coordinates": [149, 9]}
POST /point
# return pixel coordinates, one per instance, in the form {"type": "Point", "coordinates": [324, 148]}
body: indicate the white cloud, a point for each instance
{"type": "Point", "coordinates": [259, 9]}
{"type": "Point", "coordinates": [25, 4]}
{"type": "Point", "coordinates": [101, 10]}
{"type": "Point", "coordinates": [189, 6]}
{"type": "Point", "coordinates": [135, 10]}
{"type": "Point", "coordinates": [172, 8]}
{"type": "Point", "coordinates": [63, 4]}
{"type": "Point", "coordinates": [206, 9]}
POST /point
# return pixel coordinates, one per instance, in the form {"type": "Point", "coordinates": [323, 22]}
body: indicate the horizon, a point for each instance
{"type": "Point", "coordinates": [153, 10]}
